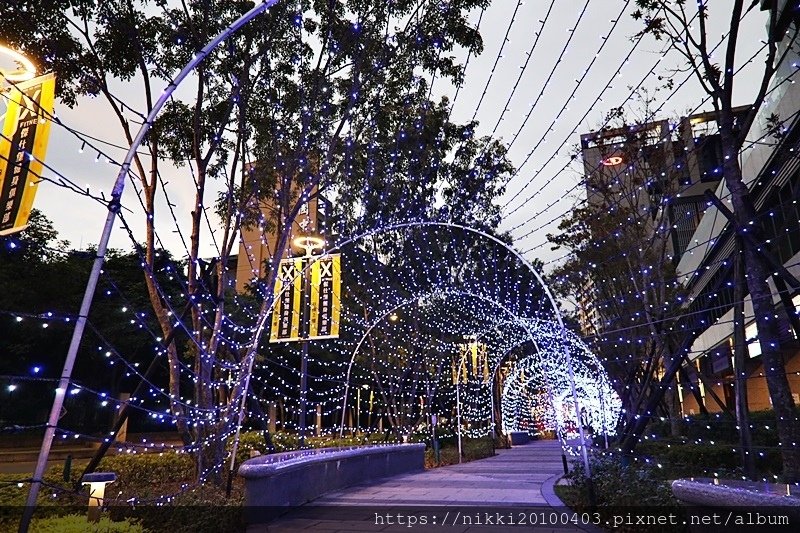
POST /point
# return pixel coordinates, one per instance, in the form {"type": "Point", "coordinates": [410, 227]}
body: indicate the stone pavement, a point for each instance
{"type": "Point", "coordinates": [521, 476]}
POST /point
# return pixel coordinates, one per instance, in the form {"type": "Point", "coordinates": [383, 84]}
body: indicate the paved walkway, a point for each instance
{"type": "Point", "coordinates": [521, 476]}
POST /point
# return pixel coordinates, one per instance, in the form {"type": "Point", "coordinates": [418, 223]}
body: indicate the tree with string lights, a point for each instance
{"type": "Point", "coordinates": [301, 94]}
{"type": "Point", "coordinates": [620, 266]}
{"type": "Point", "coordinates": [686, 29]}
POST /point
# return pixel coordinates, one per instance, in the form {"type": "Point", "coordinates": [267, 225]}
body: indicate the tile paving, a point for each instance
{"type": "Point", "coordinates": [518, 477]}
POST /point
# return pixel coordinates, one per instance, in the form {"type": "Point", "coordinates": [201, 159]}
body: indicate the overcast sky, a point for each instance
{"type": "Point", "coordinates": [80, 220]}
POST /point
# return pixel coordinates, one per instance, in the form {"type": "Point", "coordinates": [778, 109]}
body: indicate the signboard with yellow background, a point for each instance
{"type": "Point", "coordinates": [23, 145]}
{"type": "Point", "coordinates": [317, 298]}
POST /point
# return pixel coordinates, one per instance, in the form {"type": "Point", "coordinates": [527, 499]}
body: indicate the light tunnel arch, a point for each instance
{"type": "Point", "coordinates": [409, 301]}
{"type": "Point", "coordinates": [533, 333]}
{"type": "Point", "coordinates": [249, 359]}
{"type": "Point", "coordinates": [246, 363]}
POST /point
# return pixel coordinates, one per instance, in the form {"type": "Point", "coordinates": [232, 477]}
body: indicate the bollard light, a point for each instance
{"type": "Point", "coordinates": [97, 482]}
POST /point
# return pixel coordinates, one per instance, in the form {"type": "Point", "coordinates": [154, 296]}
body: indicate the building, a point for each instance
{"type": "Point", "coordinates": [259, 241]}
{"type": "Point", "coordinates": [637, 166]}
{"type": "Point", "coordinates": [771, 170]}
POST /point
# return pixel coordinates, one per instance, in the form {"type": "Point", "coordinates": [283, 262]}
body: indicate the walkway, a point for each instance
{"type": "Point", "coordinates": [521, 476]}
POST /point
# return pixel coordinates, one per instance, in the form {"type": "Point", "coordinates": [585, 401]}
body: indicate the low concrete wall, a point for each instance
{"type": "Point", "coordinates": [295, 478]}
{"type": "Point", "coordinates": [734, 493]}
{"type": "Point", "coordinates": [740, 499]}
{"type": "Point", "coordinates": [519, 437]}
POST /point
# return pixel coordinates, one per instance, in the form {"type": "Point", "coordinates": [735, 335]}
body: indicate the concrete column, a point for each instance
{"type": "Point", "coordinates": [319, 419]}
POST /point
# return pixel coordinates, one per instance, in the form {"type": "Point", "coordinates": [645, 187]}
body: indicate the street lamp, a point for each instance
{"type": "Point", "coordinates": [308, 243]}
{"type": "Point", "coordinates": [25, 70]}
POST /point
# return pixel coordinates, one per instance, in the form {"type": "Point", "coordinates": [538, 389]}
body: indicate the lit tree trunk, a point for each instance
{"type": "Point", "coordinates": [739, 364]}
{"type": "Point", "coordinates": [756, 275]}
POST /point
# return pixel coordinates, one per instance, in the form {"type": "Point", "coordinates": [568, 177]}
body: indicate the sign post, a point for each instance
{"type": "Point", "coordinates": [307, 291]}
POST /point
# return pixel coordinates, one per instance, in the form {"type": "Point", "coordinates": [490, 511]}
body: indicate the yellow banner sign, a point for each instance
{"type": "Point", "coordinates": [471, 361]}
{"type": "Point", "coordinates": [326, 276]}
{"type": "Point", "coordinates": [308, 303]}
{"type": "Point", "coordinates": [22, 149]}
{"type": "Point", "coordinates": [288, 294]}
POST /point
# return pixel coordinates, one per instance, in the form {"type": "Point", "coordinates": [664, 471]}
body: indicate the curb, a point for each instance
{"type": "Point", "coordinates": [549, 495]}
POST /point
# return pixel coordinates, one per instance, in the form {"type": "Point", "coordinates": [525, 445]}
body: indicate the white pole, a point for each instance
{"type": "Point", "coordinates": [66, 373]}
{"type": "Point", "coordinates": [458, 414]}
{"type": "Point", "coordinates": [358, 410]}
{"type": "Point", "coordinates": [491, 401]}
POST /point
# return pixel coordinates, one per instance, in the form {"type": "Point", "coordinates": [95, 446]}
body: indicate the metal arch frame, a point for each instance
{"type": "Point", "coordinates": [600, 390]}
{"type": "Point", "coordinates": [571, 338]}
{"type": "Point", "coordinates": [102, 247]}
{"type": "Point", "coordinates": [516, 320]}
{"type": "Point", "coordinates": [376, 323]}
{"type": "Point", "coordinates": [531, 268]}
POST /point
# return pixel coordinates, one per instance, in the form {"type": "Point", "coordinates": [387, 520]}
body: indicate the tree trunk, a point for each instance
{"type": "Point", "coordinates": [739, 362]}
{"type": "Point", "coordinates": [757, 274]}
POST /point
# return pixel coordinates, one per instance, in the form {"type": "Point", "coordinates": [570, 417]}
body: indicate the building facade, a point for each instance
{"type": "Point", "coordinates": [771, 171]}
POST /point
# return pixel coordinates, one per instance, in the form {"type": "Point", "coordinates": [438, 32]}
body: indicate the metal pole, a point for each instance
{"type": "Point", "coordinates": [66, 373]}
{"type": "Point", "coordinates": [584, 451]}
{"type": "Point", "coordinates": [458, 414]}
{"type": "Point", "coordinates": [603, 414]}
{"type": "Point", "coordinates": [305, 316]}
{"type": "Point", "coordinates": [303, 393]}
{"type": "Point", "coordinates": [358, 409]}
{"type": "Point", "coordinates": [491, 401]}
{"type": "Point", "coordinates": [344, 404]}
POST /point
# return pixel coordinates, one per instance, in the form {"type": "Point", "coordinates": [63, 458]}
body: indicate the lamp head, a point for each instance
{"type": "Point", "coordinates": [25, 70]}
{"type": "Point", "coordinates": [308, 243]}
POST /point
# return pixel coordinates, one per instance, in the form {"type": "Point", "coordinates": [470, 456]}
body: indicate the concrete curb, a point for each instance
{"type": "Point", "coordinates": [549, 495]}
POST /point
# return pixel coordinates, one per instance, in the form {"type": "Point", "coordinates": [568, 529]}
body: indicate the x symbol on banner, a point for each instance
{"type": "Point", "coordinates": [287, 272]}
{"type": "Point", "coordinates": [326, 270]}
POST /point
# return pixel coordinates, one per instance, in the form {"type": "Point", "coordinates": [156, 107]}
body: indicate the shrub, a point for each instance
{"type": "Point", "coordinates": [473, 449]}
{"type": "Point", "coordinates": [616, 484]}
{"type": "Point", "coordinates": [719, 427]}
{"type": "Point", "coordinates": [75, 523]}
{"type": "Point", "coordinates": [682, 459]}
{"type": "Point", "coordinates": [286, 442]}
{"type": "Point", "coordinates": [145, 469]}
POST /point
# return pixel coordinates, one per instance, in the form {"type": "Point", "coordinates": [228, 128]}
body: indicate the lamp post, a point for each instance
{"type": "Point", "coordinates": [308, 243]}
{"type": "Point", "coordinates": [97, 482]}
{"type": "Point", "coordinates": [458, 416]}
{"type": "Point", "coordinates": [458, 401]}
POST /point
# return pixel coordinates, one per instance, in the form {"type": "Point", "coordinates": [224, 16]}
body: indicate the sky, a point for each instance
{"type": "Point", "coordinates": [540, 193]}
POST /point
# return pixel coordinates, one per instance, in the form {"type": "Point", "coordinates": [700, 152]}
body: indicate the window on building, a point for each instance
{"type": "Point", "coordinates": [751, 335]}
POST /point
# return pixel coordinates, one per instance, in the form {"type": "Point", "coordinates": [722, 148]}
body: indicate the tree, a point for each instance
{"type": "Point", "coordinates": [41, 284]}
{"type": "Point", "coordinates": [297, 94]}
{"type": "Point", "coordinates": [675, 22]}
{"type": "Point", "coordinates": [620, 266]}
